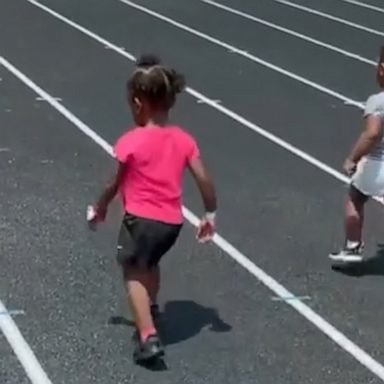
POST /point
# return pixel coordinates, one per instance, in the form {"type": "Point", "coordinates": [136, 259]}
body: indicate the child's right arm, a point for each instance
{"type": "Point", "coordinates": [98, 211]}
{"type": "Point", "coordinates": [206, 228]}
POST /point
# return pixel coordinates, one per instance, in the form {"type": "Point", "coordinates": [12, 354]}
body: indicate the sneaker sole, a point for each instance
{"type": "Point", "coordinates": [346, 259]}
{"type": "Point", "coordinates": [148, 357]}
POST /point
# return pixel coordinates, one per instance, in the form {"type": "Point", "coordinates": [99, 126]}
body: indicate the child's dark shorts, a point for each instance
{"type": "Point", "coordinates": [142, 242]}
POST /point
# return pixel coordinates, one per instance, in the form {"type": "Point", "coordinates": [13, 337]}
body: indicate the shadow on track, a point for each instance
{"type": "Point", "coordinates": [182, 320]}
{"type": "Point", "coordinates": [373, 266]}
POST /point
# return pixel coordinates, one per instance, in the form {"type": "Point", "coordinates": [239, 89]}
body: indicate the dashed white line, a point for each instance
{"type": "Point", "coordinates": [289, 32]}
{"type": "Point", "coordinates": [331, 17]}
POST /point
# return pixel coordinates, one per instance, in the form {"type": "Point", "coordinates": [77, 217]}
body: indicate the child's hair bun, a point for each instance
{"type": "Point", "coordinates": [148, 60]}
{"type": "Point", "coordinates": [176, 79]}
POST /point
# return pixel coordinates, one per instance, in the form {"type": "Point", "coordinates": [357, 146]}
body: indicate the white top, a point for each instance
{"type": "Point", "coordinates": [375, 107]}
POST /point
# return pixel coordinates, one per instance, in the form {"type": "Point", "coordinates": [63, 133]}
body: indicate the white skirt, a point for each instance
{"type": "Point", "coordinates": [369, 177]}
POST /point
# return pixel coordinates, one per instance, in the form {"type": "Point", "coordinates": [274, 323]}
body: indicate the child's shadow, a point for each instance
{"type": "Point", "coordinates": [373, 266]}
{"type": "Point", "coordinates": [182, 320]}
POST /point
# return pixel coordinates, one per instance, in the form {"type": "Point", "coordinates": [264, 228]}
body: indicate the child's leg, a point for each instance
{"type": "Point", "coordinates": [138, 283]}
{"type": "Point", "coordinates": [354, 216]}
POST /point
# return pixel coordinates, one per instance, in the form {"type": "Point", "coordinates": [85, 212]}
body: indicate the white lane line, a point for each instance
{"type": "Point", "coordinates": [207, 100]}
{"type": "Point", "coordinates": [22, 350]}
{"type": "Point", "coordinates": [279, 290]}
{"type": "Point", "coordinates": [83, 30]}
{"type": "Point", "coordinates": [243, 53]}
{"type": "Point", "coordinates": [213, 103]}
{"type": "Point", "coordinates": [331, 17]}
{"type": "Point", "coordinates": [364, 5]}
{"type": "Point", "coordinates": [289, 32]}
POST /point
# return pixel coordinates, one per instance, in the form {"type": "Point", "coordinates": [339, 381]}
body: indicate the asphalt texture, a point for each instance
{"type": "Point", "coordinates": [220, 324]}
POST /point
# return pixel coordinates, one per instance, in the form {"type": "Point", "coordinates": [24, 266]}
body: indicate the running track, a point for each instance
{"type": "Point", "coordinates": [275, 99]}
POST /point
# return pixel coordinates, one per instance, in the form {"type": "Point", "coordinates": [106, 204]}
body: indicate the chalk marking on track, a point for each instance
{"type": "Point", "coordinates": [41, 99]}
{"type": "Point", "coordinates": [290, 298]}
{"type": "Point", "coordinates": [12, 312]}
{"type": "Point", "coordinates": [289, 32]}
{"type": "Point", "coordinates": [334, 334]}
{"type": "Point", "coordinates": [243, 53]}
{"type": "Point", "coordinates": [22, 350]}
{"type": "Point", "coordinates": [216, 101]}
{"type": "Point", "coordinates": [331, 17]}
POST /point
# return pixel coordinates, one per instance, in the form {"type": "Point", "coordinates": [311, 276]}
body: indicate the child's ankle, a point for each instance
{"type": "Point", "coordinates": [145, 333]}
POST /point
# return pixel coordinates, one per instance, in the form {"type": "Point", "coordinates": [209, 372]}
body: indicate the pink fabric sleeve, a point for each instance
{"type": "Point", "coordinates": [122, 149]}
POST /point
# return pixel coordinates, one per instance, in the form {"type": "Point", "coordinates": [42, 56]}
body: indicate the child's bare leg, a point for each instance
{"type": "Point", "coordinates": [138, 282]}
{"type": "Point", "coordinates": [354, 217]}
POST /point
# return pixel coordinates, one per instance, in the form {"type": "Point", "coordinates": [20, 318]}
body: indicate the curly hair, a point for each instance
{"type": "Point", "coordinates": [155, 82]}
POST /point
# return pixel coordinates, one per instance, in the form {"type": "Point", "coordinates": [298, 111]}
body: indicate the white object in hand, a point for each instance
{"type": "Point", "coordinates": [91, 213]}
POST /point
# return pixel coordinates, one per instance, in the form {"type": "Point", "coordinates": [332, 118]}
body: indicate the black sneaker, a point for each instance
{"type": "Point", "coordinates": [150, 349]}
{"type": "Point", "coordinates": [348, 255]}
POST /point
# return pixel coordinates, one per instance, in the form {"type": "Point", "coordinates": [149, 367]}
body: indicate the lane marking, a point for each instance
{"type": "Point", "coordinates": [289, 32]}
{"type": "Point", "coordinates": [83, 30]}
{"type": "Point", "coordinates": [12, 312]}
{"type": "Point", "coordinates": [290, 298]}
{"type": "Point", "coordinates": [22, 350]}
{"type": "Point", "coordinates": [41, 99]}
{"type": "Point", "coordinates": [243, 53]}
{"type": "Point", "coordinates": [364, 5]}
{"type": "Point", "coordinates": [279, 290]}
{"type": "Point", "coordinates": [216, 101]}
{"type": "Point", "coordinates": [207, 100]}
{"type": "Point", "coordinates": [211, 102]}
{"type": "Point", "coordinates": [331, 17]}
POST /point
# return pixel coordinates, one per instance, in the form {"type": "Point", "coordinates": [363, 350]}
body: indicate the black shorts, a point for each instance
{"type": "Point", "coordinates": [142, 242]}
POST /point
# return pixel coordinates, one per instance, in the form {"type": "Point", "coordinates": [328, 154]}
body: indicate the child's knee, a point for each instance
{"type": "Point", "coordinates": [135, 271]}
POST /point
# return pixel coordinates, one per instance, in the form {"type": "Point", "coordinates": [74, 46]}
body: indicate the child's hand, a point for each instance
{"type": "Point", "coordinates": [206, 229]}
{"type": "Point", "coordinates": [349, 167]}
{"type": "Point", "coordinates": [95, 214]}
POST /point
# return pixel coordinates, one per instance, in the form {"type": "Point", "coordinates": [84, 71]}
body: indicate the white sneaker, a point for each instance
{"type": "Point", "coordinates": [348, 255]}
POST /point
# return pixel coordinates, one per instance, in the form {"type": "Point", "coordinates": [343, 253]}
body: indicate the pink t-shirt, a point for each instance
{"type": "Point", "coordinates": [155, 158]}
